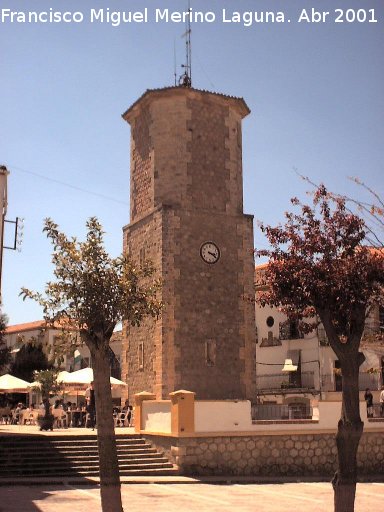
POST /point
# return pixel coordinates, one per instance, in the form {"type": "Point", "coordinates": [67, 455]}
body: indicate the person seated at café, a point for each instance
{"type": "Point", "coordinates": [28, 414]}
{"type": "Point", "coordinates": [58, 404]}
{"type": "Point", "coordinates": [67, 406]}
{"type": "Point", "coordinates": [76, 416]}
{"type": "Point", "coordinates": [17, 411]}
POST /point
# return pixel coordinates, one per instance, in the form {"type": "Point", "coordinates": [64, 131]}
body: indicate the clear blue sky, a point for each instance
{"type": "Point", "coordinates": [316, 92]}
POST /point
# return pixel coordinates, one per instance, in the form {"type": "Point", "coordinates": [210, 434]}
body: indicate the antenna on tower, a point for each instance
{"type": "Point", "coordinates": [174, 62]}
{"type": "Point", "coordinates": [186, 78]}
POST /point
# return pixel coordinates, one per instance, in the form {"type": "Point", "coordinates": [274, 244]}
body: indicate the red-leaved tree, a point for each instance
{"type": "Point", "coordinates": [320, 270]}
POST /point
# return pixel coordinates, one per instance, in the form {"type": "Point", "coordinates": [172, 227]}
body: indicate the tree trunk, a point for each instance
{"type": "Point", "coordinates": [350, 429]}
{"type": "Point", "coordinates": [47, 407]}
{"type": "Point", "coordinates": [109, 468]}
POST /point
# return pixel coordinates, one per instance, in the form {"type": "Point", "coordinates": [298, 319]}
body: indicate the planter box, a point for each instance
{"type": "Point", "coordinates": [46, 422]}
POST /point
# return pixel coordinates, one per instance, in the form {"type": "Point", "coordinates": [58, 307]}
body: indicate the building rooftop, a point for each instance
{"type": "Point", "coordinates": [29, 326]}
{"type": "Point", "coordinates": [179, 90]}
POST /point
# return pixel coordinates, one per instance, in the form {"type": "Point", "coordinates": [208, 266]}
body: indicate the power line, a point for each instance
{"type": "Point", "coordinates": [79, 189]}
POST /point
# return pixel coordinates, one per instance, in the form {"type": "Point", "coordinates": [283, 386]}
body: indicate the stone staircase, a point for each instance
{"type": "Point", "coordinates": [76, 456]}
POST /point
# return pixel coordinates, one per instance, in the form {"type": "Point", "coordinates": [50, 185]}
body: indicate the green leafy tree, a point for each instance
{"type": "Point", "coordinates": [47, 385]}
{"type": "Point", "coordinates": [320, 268]}
{"type": "Point", "coordinates": [93, 292]}
{"type": "Point", "coordinates": [31, 357]}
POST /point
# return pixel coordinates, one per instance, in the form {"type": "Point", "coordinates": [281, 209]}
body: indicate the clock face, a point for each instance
{"type": "Point", "coordinates": [210, 252]}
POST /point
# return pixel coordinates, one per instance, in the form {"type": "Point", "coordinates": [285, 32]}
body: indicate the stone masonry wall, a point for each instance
{"type": "Point", "coordinates": [301, 455]}
{"type": "Point", "coordinates": [154, 236]}
{"type": "Point", "coordinates": [142, 240]}
{"type": "Point", "coordinates": [210, 309]}
{"type": "Point", "coordinates": [186, 189]}
{"type": "Point", "coordinates": [141, 167]}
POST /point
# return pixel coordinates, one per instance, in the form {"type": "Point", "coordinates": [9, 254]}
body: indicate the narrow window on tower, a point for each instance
{"type": "Point", "coordinates": [142, 256]}
{"type": "Point", "coordinates": [210, 353]}
{"type": "Point", "coordinates": [141, 356]}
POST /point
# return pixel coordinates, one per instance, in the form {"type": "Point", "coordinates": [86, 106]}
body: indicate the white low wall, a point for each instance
{"type": "Point", "coordinates": [235, 416]}
{"type": "Point", "coordinates": [156, 416]}
{"type": "Point", "coordinates": [222, 416]}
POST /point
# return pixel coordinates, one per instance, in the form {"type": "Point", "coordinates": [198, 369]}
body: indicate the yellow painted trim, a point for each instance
{"type": "Point", "coordinates": [139, 399]}
{"type": "Point", "coordinates": [182, 412]}
{"type": "Point", "coordinates": [249, 433]}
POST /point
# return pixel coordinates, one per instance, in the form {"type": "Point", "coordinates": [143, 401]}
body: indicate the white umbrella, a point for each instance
{"type": "Point", "coordinates": [60, 379]}
{"type": "Point", "coordinates": [61, 376]}
{"type": "Point", "coordinates": [85, 377]}
{"type": "Point", "coordinates": [11, 384]}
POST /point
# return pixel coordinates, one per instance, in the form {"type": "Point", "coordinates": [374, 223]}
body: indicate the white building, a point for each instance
{"type": "Point", "coordinates": [79, 357]}
{"type": "Point", "coordinates": [17, 335]}
{"type": "Point", "coordinates": [314, 370]}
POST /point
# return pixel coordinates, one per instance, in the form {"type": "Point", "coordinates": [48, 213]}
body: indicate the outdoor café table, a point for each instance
{"type": "Point", "coordinates": [77, 418]}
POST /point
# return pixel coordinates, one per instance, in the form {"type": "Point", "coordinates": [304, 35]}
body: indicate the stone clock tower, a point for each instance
{"type": "Point", "coordinates": [187, 218]}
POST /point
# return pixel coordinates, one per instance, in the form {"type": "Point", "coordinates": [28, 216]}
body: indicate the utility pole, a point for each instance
{"type": "Point", "coordinates": [3, 211]}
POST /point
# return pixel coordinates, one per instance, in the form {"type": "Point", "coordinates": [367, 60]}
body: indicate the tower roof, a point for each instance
{"type": "Point", "coordinates": [239, 103]}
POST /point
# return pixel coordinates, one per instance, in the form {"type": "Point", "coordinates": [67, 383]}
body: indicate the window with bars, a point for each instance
{"type": "Point", "coordinates": [210, 353]}
{"type": "Point", "coordinates": [289, 330]}
{"type": "Point", "coordinates": [141, 356]}
{"type": "Point", "coordinates": [322, 335]}
{"type": "Point", "coordinates": [142, 256]}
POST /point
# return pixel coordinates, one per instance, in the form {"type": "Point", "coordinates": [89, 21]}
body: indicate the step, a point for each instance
{"type": "Point", "coordinates": [42, 456]}
{"type": "Point", "coordinates": [80, 456]}
{"type": "Point", "coordinates": [126, 473]}
{"type": "Point", "coordinates": [79, 463]}
{"type": "Point", "coordinates": [53, 447]}
{"type": "Point", "coordinates": [84, 470]}
{"type": "Point", "coordinates": [66, 442]}
{"type": "Point", "coordinates": [36, 457]}
{"type": "Point", "coordinates": [49, 448]}
{"type": "Point", "coordinates": [65, 439]}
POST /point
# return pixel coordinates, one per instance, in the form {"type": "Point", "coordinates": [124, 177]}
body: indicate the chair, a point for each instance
{"type": "Point", "coordinates": [30, 417]}
{"type": "Point", "coordinates": [122, 419]}
{"type": "Point", "coordinates": [33, 417]}
{"type": "Point", "coordinates": [61, 419]}
{"type": "Point", "coordinates": [15, 417]}
{"type": "Point", "coordinates": [24, 417]}
{"type": "Point", "coordinates": [76, 418]}
{"type": "Point", "coordinates": [5, 415]}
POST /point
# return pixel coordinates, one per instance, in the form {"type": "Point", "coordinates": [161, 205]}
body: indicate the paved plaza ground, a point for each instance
{"type": "Point", "coordinates": [174, 494]}
{"type": "Point", "coordinates": [192, 496]}
{"type": "Point", "coordinates": [71, 431]}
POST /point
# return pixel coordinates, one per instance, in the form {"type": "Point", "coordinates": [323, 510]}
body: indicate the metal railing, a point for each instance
{"type": "Point", "coordinates": [285, 381]}
{"type": "Point", "coordinates": [281, 412]}
{"type": "Point", "coordinates": [332, 382]}
{"type": "Point", "coordinates": [377, 411]}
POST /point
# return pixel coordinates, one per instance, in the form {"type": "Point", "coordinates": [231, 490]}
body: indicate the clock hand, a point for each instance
{"type": "Point", "coordinates": [212, 253]}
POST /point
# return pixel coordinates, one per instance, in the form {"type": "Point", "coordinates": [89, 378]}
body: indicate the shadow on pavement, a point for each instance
{"type": "Point", "coordinates": [38, 498]}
